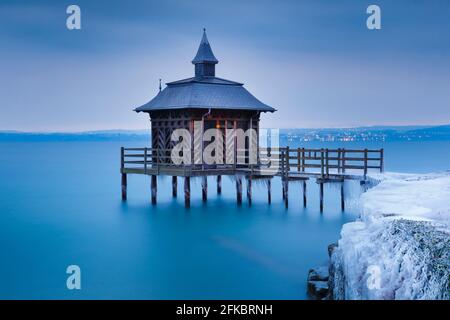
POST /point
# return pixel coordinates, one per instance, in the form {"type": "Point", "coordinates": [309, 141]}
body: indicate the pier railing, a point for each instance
{"type": "Point", "coordinates": [284, 161]}
{"type": "Point", "coordinates": [327, 161]}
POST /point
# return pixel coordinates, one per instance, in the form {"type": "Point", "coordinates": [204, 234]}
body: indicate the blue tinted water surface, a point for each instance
{"type": "Point", "coordinates": [60, 205]}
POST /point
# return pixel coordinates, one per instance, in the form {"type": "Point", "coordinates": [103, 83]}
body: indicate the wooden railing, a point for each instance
{"type": "Point", "coordinates": [331, 160]}
{"type": "Point", "coordinates": [286, 160]}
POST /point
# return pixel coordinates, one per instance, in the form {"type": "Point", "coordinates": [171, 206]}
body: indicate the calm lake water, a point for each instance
{"type": "Point", "coordinates": [60, 205]}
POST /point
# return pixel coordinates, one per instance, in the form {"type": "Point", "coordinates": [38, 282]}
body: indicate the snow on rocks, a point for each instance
{"type": "Point", "coordinates": [318, 288]}
{"type": "Point", "coordinates": [400, 249]}
{"type": "Point", "coordinates": [409, 196]}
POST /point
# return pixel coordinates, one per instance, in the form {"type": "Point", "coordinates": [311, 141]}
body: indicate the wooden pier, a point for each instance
{"type": "Point", "coordinates": [191, 112]}
{"type": "Point", "coordinates": [290, 164]}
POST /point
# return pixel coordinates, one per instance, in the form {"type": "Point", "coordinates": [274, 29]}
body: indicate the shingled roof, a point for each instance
{"type": "Point", "coordinates": [205, 90]}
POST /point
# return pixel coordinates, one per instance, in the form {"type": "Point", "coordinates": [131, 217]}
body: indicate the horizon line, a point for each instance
{"type": "Point", "coordinates": [12, 131]}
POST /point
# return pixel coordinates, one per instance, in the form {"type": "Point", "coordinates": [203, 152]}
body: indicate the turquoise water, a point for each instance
{"type": "Point", "coordinates": [60, 205]}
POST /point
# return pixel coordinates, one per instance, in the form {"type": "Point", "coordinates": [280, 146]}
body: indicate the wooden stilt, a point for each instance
{"type": "Point", "coordinates": [154, 188]}
{"type": "Point", "coordinates": [239, 190]}
{"type": "Point", "coordinates": [283, 191]}
{"type": "Point", "coordinates": [124, 186]}
{"type": "Point", "coordinates": [286, 192]}
{"type": "Point", "coordinates": [269, 191]}
{"type": "Point", "coordinates": [219, 184]}
{"type": "Point", "coordinates": [204, 188]}
{"type": "Point", "coordinates": [174, 186]}
{"type": "Point", "coordinates": [249, 190]}
{"type": "Point", "coordinates": [124, 175]}
{"type": "Point", "coordinates": [304, 194]}
{"type": "Point", "coordinates": [187, 192]}
{"type": "Point", "coordinates": [321, 197]}
{"type": "Point", "coordinates": [342, 197]}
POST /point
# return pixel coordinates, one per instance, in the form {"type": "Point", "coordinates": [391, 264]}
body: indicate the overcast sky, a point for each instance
{"type": "Point", "coordinates": [314, 61]}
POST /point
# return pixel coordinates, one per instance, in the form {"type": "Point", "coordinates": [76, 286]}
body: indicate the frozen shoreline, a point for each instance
{"type": "Point", "coordinates": [400, 248]}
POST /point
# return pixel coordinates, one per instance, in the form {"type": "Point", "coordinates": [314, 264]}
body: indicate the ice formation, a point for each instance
{"type": "Point", "coordinates": [400, 248]}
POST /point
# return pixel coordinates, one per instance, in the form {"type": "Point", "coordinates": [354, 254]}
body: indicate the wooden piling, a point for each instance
{"type": "Point", "coordinates": [187, 192]}
{"type": "Point", "coordinates": [124, 186]}
{"type": "Point", "coordinates": [321, 197]}
{"type": "Point", "coordinates": [249, 190]}
{"type": "Point", "coordinates": [365, 162]}
{"type": "Point", "coordinates": [154, 188]}
{"type": "Point", "coordinates": [204, 188]}
{"type": "Point", "coordinates": [219, 184]}
{"type": "Point", "coordinates": [174, 186]}
{"type": "Point", "coordinates": [342, 197]}
{"type": "Point", "coordinates": [283, 172]}
{"type": "Point", "coordinates": [124, 175]}
{"type": "Point", "coordinates": [269, 190]}
{"type": "Point", "coordinates": [304, 194]}
{"type": "Point", "coordinates": [286, 192]}
{"type": "Point", "coordinates": [239, 190]}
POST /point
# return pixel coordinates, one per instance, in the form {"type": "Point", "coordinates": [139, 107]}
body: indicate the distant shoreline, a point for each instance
{"type": "Point", "coordinates": [361, 134]}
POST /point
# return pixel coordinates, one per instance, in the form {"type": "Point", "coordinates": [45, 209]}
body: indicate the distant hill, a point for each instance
{"type": "Point", "coordinates": [105, 135]}
{"type": "Point", "coordinates": [437, 129]}
{"type": "Point", "coordinates": [375, 133]}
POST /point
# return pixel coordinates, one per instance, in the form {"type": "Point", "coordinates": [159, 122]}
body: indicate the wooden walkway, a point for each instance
{"type": "Point", "coordinates": [325, 165]}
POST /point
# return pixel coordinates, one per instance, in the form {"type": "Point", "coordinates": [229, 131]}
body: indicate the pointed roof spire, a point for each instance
{"type": "Point", "coordinates": [204, 52]}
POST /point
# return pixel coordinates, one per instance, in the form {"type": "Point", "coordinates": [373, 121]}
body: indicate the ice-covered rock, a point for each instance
{"type": "Point", "coordinates": [318, 288]}
{"type": "Point", "coordinates": [319, 273]}
{"type": "Point", "coordinates": [400, 249]}
{"type": "Point", "coordinates": [423, 197]}
{"type": "Point", "coordinates": [331, 248]}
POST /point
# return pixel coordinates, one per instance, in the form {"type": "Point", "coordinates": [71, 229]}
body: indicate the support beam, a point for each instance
{"type": "Point", "coordinates": [174, 186]}
{"type": "Point", "coordinates": [204, 188]}
{"type": "Point", "coordinates": [321, 196]}
{"type": "Point", "coordinates": [249, 190]}
{"type": "Point", "coordinates": [219, 184]}
{"type": "Point", "coordinates": [269, 190]}
{"type": "Point", "coordinates": [286, 192]}
{"type": "Point", "coordinates": [239, 190]}
{"type": "Point", "coordinates": [187, 192]}
{"type": "Point", "coordinates": [124, 186]}
{"type": "Point", "coordinates": [342, 197]}
{"type": "Point", "coordinates": [154, 187]}
{"type": "Point", "coordinates": [304, 194]}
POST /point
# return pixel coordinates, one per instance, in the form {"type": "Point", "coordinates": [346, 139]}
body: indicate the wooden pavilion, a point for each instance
{"type": "Point", "coordinates": [204, 99]}
{"type": "Point", "coordinates": [204, 102]}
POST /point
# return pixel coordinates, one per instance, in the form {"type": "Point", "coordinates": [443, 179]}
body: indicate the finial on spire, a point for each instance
{"type": "Point", "coordinates": [204, 60]}
{"type": "Point", "coordinates": [159, 84]}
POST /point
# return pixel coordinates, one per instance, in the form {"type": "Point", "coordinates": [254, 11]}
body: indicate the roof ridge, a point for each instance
{"type": "Point", "coordinates": [206, 80]}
